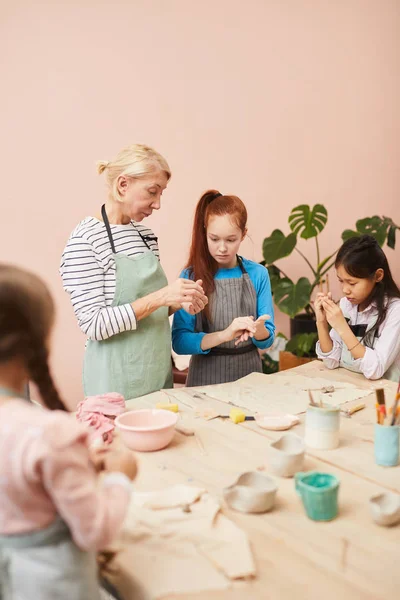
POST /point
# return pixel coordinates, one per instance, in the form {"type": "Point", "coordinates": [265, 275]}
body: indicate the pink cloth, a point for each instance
{"type": "Point", "coordinates": [98, 413]}
{"type": "Point", "coordinates": [45, 470]}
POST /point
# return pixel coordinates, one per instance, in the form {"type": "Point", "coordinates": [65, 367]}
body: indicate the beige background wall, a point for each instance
{"type": "Point", "coordinates": [279, 101]}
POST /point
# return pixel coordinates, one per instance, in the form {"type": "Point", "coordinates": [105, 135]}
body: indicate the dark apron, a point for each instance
{"type": "Point", "coordinates": [231, 298]}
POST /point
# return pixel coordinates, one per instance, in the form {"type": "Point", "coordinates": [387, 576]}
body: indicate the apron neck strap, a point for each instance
{"type": "Point", "coordinates": [107, 224]}
{"type": "Point", "coordinates": [110, 237]}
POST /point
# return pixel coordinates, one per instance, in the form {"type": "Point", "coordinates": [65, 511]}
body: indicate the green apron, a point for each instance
{"type": "Point", "coordinates": [46, 565]}
{"type": "Point", "coordinates": [138, 362]}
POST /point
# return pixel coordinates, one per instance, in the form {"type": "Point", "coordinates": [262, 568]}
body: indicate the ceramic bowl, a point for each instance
{"type": "Point", "coordinates": [286, 455]}
{"type": "Point", "coordinates": [385, 509]}
{"type": "Point", "coordinates": [251, 493]}
{"type": "Point", "coordinates": [146, 429]}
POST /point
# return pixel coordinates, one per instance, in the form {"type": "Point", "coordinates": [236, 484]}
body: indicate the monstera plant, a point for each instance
{"type": "Point", "coordinates": [294, 297]}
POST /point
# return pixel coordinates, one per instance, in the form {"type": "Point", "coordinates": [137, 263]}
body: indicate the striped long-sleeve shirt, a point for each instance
{"type": "Point", "coordinates": [88, 273]}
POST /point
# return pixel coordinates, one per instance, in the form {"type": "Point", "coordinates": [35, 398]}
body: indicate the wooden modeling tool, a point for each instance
{"type": "Point", "coordinates": [347, 412]}
{"type": "Point", "coordinates": [395, 409]}
{"type": "Point", "coordinates": [312, 402]}
{"type": "Point", "coordinates": [380, 406]}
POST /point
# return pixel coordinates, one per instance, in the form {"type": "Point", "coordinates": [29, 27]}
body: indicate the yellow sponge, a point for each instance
{"type": "Point", "coordinates": [167, 406]}
{"type": "Point", "coordinates": [236, 415]}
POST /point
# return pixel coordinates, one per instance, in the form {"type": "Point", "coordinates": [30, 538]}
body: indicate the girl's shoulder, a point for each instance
{"type": "Point", "coordinates": [393, 305]}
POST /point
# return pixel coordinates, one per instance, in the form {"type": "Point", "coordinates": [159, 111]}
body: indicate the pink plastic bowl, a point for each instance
{"type": "Point", "coordinates": [147, 429]}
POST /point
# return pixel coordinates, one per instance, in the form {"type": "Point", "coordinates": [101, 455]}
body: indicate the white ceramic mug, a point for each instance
{"type": "Point", "coordinates": [322, 427]}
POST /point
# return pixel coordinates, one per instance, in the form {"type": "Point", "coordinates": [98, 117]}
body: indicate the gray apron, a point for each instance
{"type": "Point", "coordinates": [348, 362]}
{"type": "Point", "coordinates": [132, 363]}
{"type": "Point", "coordinates": [231, 298]}
{"type": "Point", "coordinates": [46, 565]}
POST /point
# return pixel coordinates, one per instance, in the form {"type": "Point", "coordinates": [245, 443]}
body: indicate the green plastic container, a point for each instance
{"type": "Point", "coordinates": [319, 493]}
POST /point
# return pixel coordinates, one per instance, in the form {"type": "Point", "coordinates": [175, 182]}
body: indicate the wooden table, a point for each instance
{"type": "Point", "coordinates": [296, 558]}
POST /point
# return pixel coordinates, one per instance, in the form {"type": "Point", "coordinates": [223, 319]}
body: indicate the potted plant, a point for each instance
{"type": "Point", "coordinates": [294, 298]}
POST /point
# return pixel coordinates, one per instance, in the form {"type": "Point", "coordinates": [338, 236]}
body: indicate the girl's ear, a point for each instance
{"type": "Point", "coordinates": [379, 275]}
{"type": "Point", "coordinates": [244, 234]}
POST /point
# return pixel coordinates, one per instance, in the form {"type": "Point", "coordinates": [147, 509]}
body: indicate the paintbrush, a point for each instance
{"type": "Point", "coordinates": [396, 400]}
{"type": "Point", "coordinates": [380, 406]}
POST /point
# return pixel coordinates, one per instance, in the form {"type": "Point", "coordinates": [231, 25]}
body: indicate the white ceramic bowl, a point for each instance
{"type": "Point", "coordinates": [146, 429]}
{"type": "Point", "coordinates": [385, 509]}
{"type": "Point", "coordinates": [286, 455]}
{"type": "Point", "coordinates": [251, 493]}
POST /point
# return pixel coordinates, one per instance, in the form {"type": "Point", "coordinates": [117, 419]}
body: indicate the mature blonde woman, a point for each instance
{"type": "Point", "coordinates": [119, 291]}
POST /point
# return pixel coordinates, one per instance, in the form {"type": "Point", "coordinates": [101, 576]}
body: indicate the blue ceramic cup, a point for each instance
{"type": "Point", "coordinates": [386, 445]}
{"type": "Point", "coordinates": [319, 493]}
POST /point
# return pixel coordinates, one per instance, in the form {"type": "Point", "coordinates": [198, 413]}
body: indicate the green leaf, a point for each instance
{"type": "Point", "coordinates": [349, 233]}
{"type": "Point", "coordinates": [274, 276]}
{"type": "Point", "coordinates": [375, 226]}
{"type": "Point", "coordinates": [302, 344]}
{"type": "Point", "coordinates": [277, 246]}
{"type": "Point", "coordinates": [324, 262]}
{"type": "Point", "coordinates": [391, 238]}
{"type": "Point", "coordinates": [309, 223]}
{"type": "Point", "coordinates": [291, 297]}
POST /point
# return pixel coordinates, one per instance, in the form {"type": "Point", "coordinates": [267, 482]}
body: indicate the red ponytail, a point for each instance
{"type": "Point", "coordinates": [201, 264]}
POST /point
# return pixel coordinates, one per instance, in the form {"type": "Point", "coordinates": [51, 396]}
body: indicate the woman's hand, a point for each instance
{"type": "Point", "coordinates": [197, 305]}
{"type": "Point", "coordinates": [334, 315]}
{"type": "Point", "coordinates": [185, 291]}
{"type": "Point", "coordinates": [240, 330]}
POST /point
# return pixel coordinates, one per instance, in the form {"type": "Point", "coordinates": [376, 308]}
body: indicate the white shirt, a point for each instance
{"type": "Point", "coordinates": [88, 273]}
{"type": "Point", "coordinates": [386, 352]}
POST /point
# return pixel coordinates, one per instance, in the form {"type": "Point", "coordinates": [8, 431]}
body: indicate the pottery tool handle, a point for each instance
{"type": "Point", "coordinates": [355, 408]}
{"type": "Point", "coordinates": [183, 429]}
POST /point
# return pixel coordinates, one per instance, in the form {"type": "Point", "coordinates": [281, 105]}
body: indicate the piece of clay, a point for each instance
{"type": "Point", "coordinates": [276, 422]}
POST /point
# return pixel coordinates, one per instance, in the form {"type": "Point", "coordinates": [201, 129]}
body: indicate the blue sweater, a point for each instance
{"type": "Point", "coordinates": [185, 340]}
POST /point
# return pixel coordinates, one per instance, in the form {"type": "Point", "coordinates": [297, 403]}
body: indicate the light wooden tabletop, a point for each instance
{"type": "Point", "coordinates": [296, 558]}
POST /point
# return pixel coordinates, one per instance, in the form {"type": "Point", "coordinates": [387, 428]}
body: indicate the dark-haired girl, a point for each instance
{"type": "Point", "coordinates": [365, 334]}
{"type": "Point", "coordinates": [225, 337]}
{"type": "Point", "coordinates": [53, 512]}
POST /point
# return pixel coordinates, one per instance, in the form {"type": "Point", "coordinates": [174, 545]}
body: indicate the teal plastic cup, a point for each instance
{"type": "Point", "coordinates": [319, 494]}
{"type": "Point", "coordinates": [386, 445]}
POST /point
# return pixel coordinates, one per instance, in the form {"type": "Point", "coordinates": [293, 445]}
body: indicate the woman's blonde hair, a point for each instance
{"type": "Point", "coordinates": [137, 161]}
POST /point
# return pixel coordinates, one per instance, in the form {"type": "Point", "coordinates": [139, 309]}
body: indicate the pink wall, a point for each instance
{"type": "Point", "coordinates": [282, 103]}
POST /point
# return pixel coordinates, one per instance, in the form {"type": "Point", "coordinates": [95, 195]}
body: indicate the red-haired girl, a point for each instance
{"type": "Point", "coordinates": [225, 337]}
